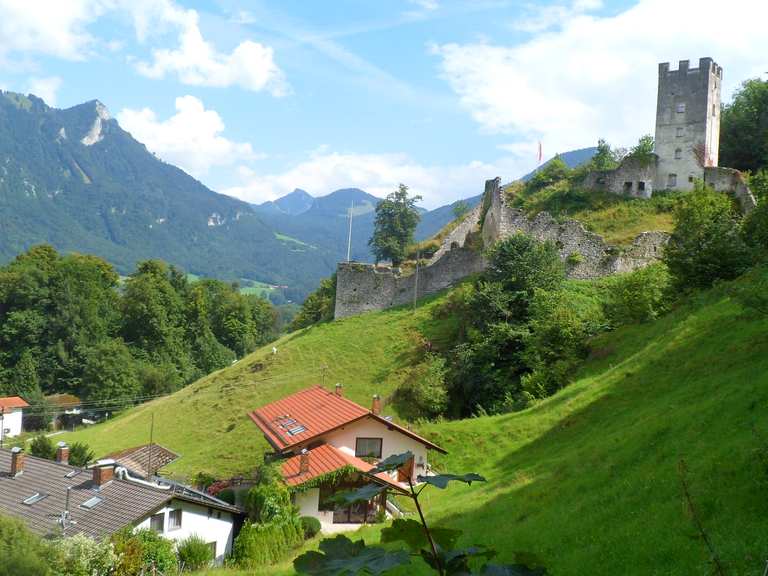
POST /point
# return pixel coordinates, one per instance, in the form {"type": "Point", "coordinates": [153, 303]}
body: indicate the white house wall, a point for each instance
{"type": "Point", "coordinates": [210, 524]}
{"type": "Point", "coordinates": [12, 423]}
{"type": "Point", "coordinates": [308, 503]}
{"type": "Point", "coordinates": [393, 441]}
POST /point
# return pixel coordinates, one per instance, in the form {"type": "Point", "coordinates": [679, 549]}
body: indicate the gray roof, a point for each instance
{"type": "Point", "coordinates": [124, 502]}
{"type": "Point", "coordinates": [137, 459]}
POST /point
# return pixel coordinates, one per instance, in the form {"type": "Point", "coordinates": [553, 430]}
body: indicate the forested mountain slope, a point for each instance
{"type": "Point", "coordinates": [587, 480]}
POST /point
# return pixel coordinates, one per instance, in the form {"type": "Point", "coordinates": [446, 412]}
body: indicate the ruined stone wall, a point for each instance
{"type": "Point", "coordinates": [731, 181]}
{"type": "Point", "coordinates": [585, 253]}
{"type": "Point", "coordinates": [364, 287]}
{"type": "Point", "coordinates": [631, 178]}
{"type": "Point", "coordinates": [458, 236]}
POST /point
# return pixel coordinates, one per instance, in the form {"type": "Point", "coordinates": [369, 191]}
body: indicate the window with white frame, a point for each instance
{"type": "Point", "coordinates": [157, 523]}
{"type": "Point", "coordinates": [368, 447]}
{"type": "Point", "coordinates": [174, 519]}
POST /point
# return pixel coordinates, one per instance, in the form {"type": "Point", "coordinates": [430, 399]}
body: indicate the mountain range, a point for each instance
{"type": "Point", "coordinates": [75, 179]}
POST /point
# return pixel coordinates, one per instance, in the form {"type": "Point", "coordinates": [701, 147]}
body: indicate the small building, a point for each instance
{"type": "Point", "coordinates": [55, 499]}
{"type": "Point", "coordinates": [11, 416]}
{"type": "Point", "coordinates": [329, 443]}
{"type": "Point", "coordinates": [145, 460]}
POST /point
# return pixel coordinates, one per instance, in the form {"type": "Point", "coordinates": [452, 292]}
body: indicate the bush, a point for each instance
{"type": "Point", "coordinates": [80, 454]}
{"type": "Point", "coordinates": [751, 291]}
{"type": "Point", "coordinates": [310, 525]}
{"type": "Point", "coordinates": [706, 244]}
{"type": "Point", "coordinates": [143, 549]}
{"type": "Point", "coordinates": [80, 555]}
{"type": "Point", "coordinates": [640, 296]}
{"type": "Point", "coordinates": [42, 447]}
{"type": "Point", "coordinates": [21, 552]}
{"type": "Point", "coordinates": [754, 229]}
{"type": "Point", "coordinates": [194, 553]}
{"type": "Point", "coordinates": [268, 500]}
{"type": "Point", "coordinates": [264, 544]}
{"type": "Point", "coordinates": [423, 393]}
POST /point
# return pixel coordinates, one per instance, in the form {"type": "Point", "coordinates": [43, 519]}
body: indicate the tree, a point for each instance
{"type": "Point", "coordinates": [22, 553]}
{"type": "Point", "coordinates": [706, 244]}
{"type": "Point", "coordinates": [553, 171]}
{"type": "Point", "coordinates": [643, 150]}
{"type": "Point", "coordinates": [396, 221]}
{"type": "Point", "coordinates": [319, 306]}
{"type": "Point", "coordinates": [744, 128]}
{"type": "Point", "coordinates": [604, 158]}
{"type": "Point", "coordinates": [110, 374]}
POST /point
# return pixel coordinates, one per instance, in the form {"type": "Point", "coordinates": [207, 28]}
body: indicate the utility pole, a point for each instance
{"type": "Point", "coordinates": [2, 426]}
{"type": "Point", "coordinates": [349, 235]}
{"type": "Point", "coordinates": [151, 442]}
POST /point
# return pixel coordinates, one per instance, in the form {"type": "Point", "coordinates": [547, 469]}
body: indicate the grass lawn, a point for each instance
{"type": "Point", "coordinates": [587, 481]}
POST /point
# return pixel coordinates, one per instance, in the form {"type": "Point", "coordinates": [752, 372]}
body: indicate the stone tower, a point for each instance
{"type": "Point", "coordinates": [687, 122]}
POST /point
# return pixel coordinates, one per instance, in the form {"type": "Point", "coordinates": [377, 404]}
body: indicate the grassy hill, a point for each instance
{"type": "Point", "coordinates": [588, 480]}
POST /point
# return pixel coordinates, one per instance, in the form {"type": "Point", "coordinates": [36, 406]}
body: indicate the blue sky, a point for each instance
{"type": "Point", "coordinates": [256, 98]}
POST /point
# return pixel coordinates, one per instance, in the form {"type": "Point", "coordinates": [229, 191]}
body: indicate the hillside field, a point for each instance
{"type": "Point", "coordinates": [587, 481]}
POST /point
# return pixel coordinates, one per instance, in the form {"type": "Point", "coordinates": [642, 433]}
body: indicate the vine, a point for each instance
{"type": "Point", "coordinates": [332, 477]}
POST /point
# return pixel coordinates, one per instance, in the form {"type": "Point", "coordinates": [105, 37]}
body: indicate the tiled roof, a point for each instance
{"type": "Point", "coordinates": [123, 502]}
{"type": "Point", "coordinates": [315, 409]}
{"type": "Point", "coordinates": [11, 402]}
{"type": "Point", "coordinates": [310, 413]}
{"type": "Point", "coordinates": [137, 458]}
{"type": "Point", "coordinates": [325, 459]}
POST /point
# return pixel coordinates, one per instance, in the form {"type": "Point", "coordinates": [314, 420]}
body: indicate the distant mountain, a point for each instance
{"type": "Point", "coordinates": [572, 158]}
{"type": "Point", "coordinates": [293, 204]}
{"type": "Point", "coordinates": [75, 179]}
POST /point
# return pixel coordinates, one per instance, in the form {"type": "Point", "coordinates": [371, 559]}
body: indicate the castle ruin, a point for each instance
{"type": "Point", "coordinates": [686, 149]}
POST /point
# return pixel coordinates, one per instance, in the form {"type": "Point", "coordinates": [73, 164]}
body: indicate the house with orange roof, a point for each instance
{"type": "Point", "coordinates": [11, 415]}
{"type": "Point", "coordinates": [327, 444]}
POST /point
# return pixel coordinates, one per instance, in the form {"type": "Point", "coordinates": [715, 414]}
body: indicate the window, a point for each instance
{"type": "Point", "coordinates": [36, 497]}
{"type": "Point", "coordinates": [368, 448]}
{"type": "Point", "coordinates": [679, 133]}
{"type": "Point", "coordinates": [157, 523]}
{"type": "Point", "coordinates": [678, 154]}
{"type": "Point", "coordinates": [690, 178]}
{"type": "Point", "coordinates": [681, 107]}
{"type": "Point", "coordinates": [672, 180]}
{"type": "Point", "coordinates": [627, 187]}
{"type": "Point", "coordinates": [714, 109]}
{"type": "Point", "coordinates": [174, 519]}
{"type": "Point", "coordinates": [326, 504]}
{"type": "Point", "coordinates": [641, 186]}
{"type": "Point", "coordinates": [92, 502]}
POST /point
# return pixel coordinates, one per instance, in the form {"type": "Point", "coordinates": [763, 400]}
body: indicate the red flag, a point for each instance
{"type": "Point", "coordinates": [541, 156]}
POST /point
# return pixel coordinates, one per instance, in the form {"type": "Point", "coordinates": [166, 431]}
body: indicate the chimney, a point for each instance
{"type": "Point", "coordinates": [339, 389]}
{"type": "Point", "coordinates": [376, 404]}
{"type": "Point", "coordinates": [304, 462]}
{"type": "Point", "coordinates": [17, 461]}
{"type": "Point", "coordinates": [62, 453]}
{"type": "Point", "coordinates": [103, 472]}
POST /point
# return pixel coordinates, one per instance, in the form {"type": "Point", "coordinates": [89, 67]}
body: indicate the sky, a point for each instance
{"type": "Point", "coordinates": [255, 98]}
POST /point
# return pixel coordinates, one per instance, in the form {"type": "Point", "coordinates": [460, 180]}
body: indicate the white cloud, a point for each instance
{"type": "Point", "coordinates": [596, 76]}
{"type": "Point", "coordinates": [197, 62]}
{"type": "Point", "coordinates": [190, 139]}
{"type": "Point", "coordinates": [45, 88]}
{"type": "Point", "coordinates": [379, 174]}
{"type": "Point", "coordinates": [50, 27]}
{"type": "Point", "coordinates": [422, 8]}
{"type": "Point", "coordinates": [542, 17]}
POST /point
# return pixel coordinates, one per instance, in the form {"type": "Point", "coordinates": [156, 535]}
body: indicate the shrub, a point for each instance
{"type": "Point", "coordinates": [754, 229]}
{"type": "Point", "coordinates": [706, 244]}
{"type": "Point", "coordinates": [640, 296]}
{"type": "Point", "coordinates": [268, 499]}
{"type": "Point", "coordinates": [42, 447]}
{"type": "Point", "coordinates": [21, 552]}
{"type": "Point", "coordinates": [574, 258]}
{"type": "Point", "coordinates": [143, 549]}
{"type": "Point", "coordinates": [423, 393]}
{"type": "Point", "coordinates": [80, 555]}
{"type": "Point", "coordinates": [80, 454]}
{"type": "Point", "coordinates": [228, 495]}
{"type": "Point", "coordinates": [751, 291]}
{"type": "Point", "coordinates": [263, 544]}
{"type": "Point", "coordinates": [310, 525]}
{"type": "Point", "coordinates": [194, 553]}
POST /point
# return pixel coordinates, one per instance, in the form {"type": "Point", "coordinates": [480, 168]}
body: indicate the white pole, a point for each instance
{"type": "Point", "coordinates": [349, 237]}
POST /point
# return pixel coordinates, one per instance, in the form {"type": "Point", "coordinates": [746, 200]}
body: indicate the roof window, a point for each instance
{"type": "Point", "coordinates": [36, 497]}
{"type": "Point", "coordinates": [92, 503]}
{"type": "Point", "coordinates": [296, 430]}
{"type": "Point", "coordinates": [72, 473]}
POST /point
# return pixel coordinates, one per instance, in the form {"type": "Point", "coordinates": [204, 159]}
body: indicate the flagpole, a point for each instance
{"type": "Point", "coordinates": [349, 236]}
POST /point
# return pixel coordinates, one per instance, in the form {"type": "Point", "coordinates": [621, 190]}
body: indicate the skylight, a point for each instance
{"type": "Point", "coordinates": [72, 473]}
{"type": "Point", "coordinates": [92, 502]}
{"type": "Point", "coordinates": [36, 497]}
{"type": "Point", "coordinates": [296, 430]}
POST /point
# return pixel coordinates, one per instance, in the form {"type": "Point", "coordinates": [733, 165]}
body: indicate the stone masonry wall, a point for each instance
{"type": "Point", "coordinates": [731, 181]}
{"type": "Point", "coordinates": [365, 287]}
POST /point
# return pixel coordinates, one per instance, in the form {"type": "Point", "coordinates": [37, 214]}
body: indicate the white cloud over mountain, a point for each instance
{"type": "Point", "coordinates": [583, 77]}
{"type": "Point", "coordinates": [45, 87]}
{"type": "Point", "coordinates": [191, 138]}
